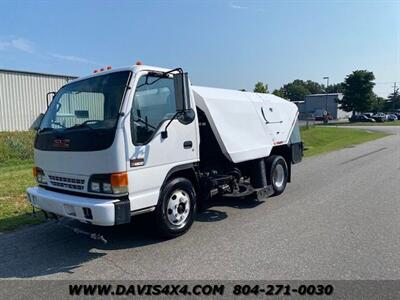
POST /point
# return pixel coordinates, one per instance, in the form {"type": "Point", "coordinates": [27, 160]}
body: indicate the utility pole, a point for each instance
{"type": "Point", "coordinates": [326, 100]}
{"type": "Point", "coordinates": [305, 106]}
{"type": "Point", "coordinates": [394, 95]}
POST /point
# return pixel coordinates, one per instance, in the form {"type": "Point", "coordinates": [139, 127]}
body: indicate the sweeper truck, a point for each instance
{"type": "Point", "coordinates": [142, 139]}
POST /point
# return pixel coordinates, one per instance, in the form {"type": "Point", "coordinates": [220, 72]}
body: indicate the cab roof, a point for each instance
{"type": "Point", "coordinates": [133, 69]}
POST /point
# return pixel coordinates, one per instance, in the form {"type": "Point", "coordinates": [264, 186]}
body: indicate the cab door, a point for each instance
{"type": "Point", "coordinates": [150, 155]}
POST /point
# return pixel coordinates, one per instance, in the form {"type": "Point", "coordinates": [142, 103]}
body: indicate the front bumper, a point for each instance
{"type": "Point", "coordinates": [104, 212]}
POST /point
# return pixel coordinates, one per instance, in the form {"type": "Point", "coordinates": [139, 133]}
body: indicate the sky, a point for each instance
{"type": "Point", "coordinates": [227, 44]}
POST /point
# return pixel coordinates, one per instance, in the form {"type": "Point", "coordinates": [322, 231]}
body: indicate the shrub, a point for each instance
{"type": "Point", "coordinates": [16, 147]}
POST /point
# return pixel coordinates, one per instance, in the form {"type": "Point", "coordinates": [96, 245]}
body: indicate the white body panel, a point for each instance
{"type": "Point", "coordinates": [238, 123]}
{"type": "Point", "coordinates": [160, 156]}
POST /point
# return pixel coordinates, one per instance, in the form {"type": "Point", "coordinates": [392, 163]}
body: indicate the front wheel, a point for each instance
{"type": "Point", "coordinates": [177, 207]}
{"type": "Point", "coordinates": [277, 172]}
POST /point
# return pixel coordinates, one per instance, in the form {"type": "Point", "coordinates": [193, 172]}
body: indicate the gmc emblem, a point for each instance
{"type": "Point", "coordinates": [61, 143]}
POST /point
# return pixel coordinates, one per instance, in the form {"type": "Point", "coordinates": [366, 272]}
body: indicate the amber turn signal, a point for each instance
{"type": "Point", "coordinates": [119, 179]}
{"type": "Point", "coordinates": [35, 171]}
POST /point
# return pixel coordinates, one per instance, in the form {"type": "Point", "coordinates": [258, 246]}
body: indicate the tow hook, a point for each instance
{"type": "Point", "coordinates": [93, 236]}
{"type": "Point", "coordinates": [50, 217]}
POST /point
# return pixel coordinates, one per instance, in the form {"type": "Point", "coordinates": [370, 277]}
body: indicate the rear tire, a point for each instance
{"type": "Point", "coordinates": [176, 209]}
{"type": "Point", "coordinates": [277, 173]}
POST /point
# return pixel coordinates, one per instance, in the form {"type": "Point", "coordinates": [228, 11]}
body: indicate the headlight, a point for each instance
{"type": "Point", "coordinates": [107, 188]}
{"type": "Point", "coordinates": [116, 183]}
{"type": "Point", "coordinates": [38, 173]}
{"type": "Point", "coordinates": [95, 187]}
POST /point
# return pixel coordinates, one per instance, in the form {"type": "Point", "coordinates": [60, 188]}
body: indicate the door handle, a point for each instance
{"type": "Point", "coordinates": [187, 144]}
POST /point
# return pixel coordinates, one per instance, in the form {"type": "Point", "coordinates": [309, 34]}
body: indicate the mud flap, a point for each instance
{"type": "Point", "coordinates": [297, 152]}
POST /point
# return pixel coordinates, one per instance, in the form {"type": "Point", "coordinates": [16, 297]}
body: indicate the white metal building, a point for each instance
{"type": "Point", "coordinates": [23, 97]}
{"type": "Point", "coordinates": [315, 104]}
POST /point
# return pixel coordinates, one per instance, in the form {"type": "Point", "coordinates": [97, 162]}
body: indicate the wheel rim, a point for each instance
{"type": "Point", "coordinates": [178, 207]}
{"type": "Point", "coordinates": [278, 176]}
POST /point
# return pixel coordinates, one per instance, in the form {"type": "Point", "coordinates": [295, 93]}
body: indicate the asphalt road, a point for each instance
{"type": "Point", "coordinates": [338, 219]}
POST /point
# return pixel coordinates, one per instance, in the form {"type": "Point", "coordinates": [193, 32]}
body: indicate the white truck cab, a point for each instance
{"type": "Point", "coordinates": [140, 139]}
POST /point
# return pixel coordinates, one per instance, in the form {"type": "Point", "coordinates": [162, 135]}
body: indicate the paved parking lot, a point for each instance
{"type": "Point", "coordinates": [338, 219]}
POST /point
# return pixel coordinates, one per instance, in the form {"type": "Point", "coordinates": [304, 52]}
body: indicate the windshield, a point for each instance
{"type": "Point", "coordinates": [83, 115]}
{"type": "Point", "coordinates": [93, 103]}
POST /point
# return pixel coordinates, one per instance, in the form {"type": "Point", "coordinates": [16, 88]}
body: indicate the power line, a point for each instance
{"type": "Point", "coordinates": [383, 82]}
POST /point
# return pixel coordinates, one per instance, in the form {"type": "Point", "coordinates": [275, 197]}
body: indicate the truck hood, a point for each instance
{"type": "Point", "coordinates": [84, 163]}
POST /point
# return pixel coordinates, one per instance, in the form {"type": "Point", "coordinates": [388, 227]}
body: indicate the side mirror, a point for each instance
{"type": "Point", "coordinates": [187, 116]}
{"type": "Point", "coordinates": [36, 124]}
{"type": "Point", "coordinates": [181, 85]}
{"type": "Point", "coordinates": [52, 94]}
{"type": "Point", "coordinates": [184, 114]}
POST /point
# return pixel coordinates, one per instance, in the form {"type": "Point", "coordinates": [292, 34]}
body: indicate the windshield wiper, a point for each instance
{"type": "Point", "coordinates": [44, 129]}
{"type": "Point", "coordinates": [82, 125]}
{"type": "Point", "coordinates": [139, 119]}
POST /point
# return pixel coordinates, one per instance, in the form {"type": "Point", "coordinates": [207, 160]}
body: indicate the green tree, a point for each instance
{"type": "Point", "coordinates": [298, 89]}
{"type": "Point", "coordinates": [378, 104]}
{"type": "Point", "coordinates": [279, 93]}
{"type": "Point", "coordinates": [394, 100]}
{"type": "Point", "coordinates": [261, 88]}
{"type": "Point", "coordinates": [357, 92]}
{"type": "Point", "coordinates": [335, 88]}
{"type": "Point", "coordinates": [312, 86]}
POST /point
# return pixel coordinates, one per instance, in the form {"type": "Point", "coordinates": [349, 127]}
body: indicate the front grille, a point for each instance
{"type": "Point", "coordinates": [67, 182]}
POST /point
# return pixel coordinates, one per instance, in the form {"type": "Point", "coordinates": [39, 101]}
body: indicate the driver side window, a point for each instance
{"type": "Point", "coordinates": [153, 103]}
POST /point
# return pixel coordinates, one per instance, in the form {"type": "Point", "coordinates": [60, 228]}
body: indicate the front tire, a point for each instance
{"type": "Point", "coordinates": [176, 209]}
{"type": "Point", "coordinates": [277, 173]}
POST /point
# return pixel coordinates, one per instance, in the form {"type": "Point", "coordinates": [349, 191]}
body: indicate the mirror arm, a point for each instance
{"type": "Point", "coordinates": [164, 133]}
{"type": "Point", "coordinates": [47, 97]}
{"type": "Point", "coordinates": [179, 70]}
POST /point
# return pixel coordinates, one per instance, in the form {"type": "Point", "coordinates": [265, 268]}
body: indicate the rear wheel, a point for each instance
{"type": "Point", "coordinates": [277, 173]}
{"type": "Point", "coordinates": [177, 207]}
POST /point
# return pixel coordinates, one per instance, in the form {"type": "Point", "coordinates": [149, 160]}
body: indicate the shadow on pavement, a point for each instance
{"type": "Point", "coordinates": [211, 215]}
{"type": "Point", "coordinates": [51, 248]}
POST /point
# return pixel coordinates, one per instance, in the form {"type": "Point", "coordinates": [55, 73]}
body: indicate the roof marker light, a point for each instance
{"type": "Point", "coordinates": [139, 63]}
{"type": "Point", "coordinates": [102, 69]}
{"type": "Point", "coordinates": [109, 68]}
{"type": "Point", "coordinates": [95, 71]}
